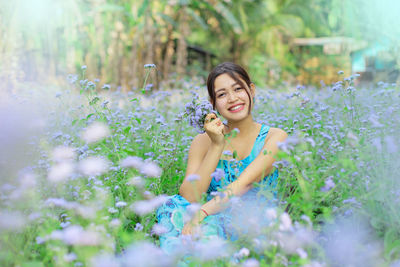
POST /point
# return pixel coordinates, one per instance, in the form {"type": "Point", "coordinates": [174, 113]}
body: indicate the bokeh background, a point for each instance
{"type": "Point", "coordinates": [278, 41]}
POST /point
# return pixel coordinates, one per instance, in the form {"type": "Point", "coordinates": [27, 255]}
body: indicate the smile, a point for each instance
{"type": "Point", "coordinates": [236, 108]}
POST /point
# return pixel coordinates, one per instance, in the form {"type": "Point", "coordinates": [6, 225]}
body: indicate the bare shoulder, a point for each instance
{"type": "Point", "coordinates": [201, 142]}
{"type": "Point", "coordinates": [277, 134]}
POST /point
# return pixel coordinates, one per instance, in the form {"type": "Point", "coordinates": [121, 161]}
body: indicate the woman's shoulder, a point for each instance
{"type": "Point", "coordinates": [276, 132]}
{"type": "Point", "coordinates": [201, 140]}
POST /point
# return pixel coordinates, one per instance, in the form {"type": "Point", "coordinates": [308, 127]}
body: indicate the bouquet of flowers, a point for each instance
{"type": "Point", "coordinates": [197, 110]}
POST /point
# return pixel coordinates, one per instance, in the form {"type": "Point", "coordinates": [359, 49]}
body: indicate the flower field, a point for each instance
{"type": "Point", "coordinates": [83, 169]}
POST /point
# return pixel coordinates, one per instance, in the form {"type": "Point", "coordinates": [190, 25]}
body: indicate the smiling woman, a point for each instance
{"type": "Point", "coordinates": [231, 93]}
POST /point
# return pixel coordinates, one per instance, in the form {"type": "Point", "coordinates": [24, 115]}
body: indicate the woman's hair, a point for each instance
{"type": "Point", "coordinates": [235, 71]}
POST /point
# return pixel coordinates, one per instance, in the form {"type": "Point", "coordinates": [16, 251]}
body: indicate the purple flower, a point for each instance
{"type": "Point", "coordinates": [151, 169]}
{"type": "Point", "coordinates": [251, 263]}
{"type": "Point", "coordinates": [193, 177]}
{"type": "Point", "coordinates": [329, 184]}
{"type": "Point", "coordinates": [390, 144]}
{"type": "Point", "coordinates": [218, 174]}
{"type": "Point", "coordinates": [106, 87]}
{"type": "Point", "coordinates": [131, 162]}
{"type": "Point", "coordinates": [197, 112]}
{"type": "Point", "coordinates": [149, 66]}
{"type": "Point", "coordinates": [138, 227]}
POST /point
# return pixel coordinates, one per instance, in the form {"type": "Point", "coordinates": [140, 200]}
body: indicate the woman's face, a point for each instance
{"type": "Point", "coordinates": [231, 99]}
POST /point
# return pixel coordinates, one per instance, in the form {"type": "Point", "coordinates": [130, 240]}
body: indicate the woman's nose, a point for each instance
{"type": "Point", "coordinates": [232, 96]}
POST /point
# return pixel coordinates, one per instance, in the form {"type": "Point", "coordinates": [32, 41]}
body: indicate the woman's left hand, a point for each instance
{"type": "Point", "coordinates": [193, 226]}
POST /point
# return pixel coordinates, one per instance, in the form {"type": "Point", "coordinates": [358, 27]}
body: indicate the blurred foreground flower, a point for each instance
{"type": "Point", "coordinates": [95, 132]}
{"type": "Point", "coordinates": [63, 153]}
{"type": "Point", "coordinates": [151, 169]}
{"type": "Point", "coordinates": [93, 166]}
{"type": "Point", "coordinates": [143, 207]}
{"type": "Point", "coordinates": [146, 254]}
{"type": "Point", "coordinates": [60, 172]}
{"type": "Point", "coordinates": [11, 220]}
{"type": "Point", "coordinates": [76, 235]}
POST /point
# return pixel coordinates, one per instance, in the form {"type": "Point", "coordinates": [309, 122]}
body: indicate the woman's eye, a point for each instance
{"type": "Point", "coordinates": [238, 89]}
{"type": "Point", "coordinates": [221, 95]}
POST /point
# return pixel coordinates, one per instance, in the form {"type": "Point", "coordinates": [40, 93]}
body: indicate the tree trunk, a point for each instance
{"type": "Point", "coordinates": [169, 52]}
{"type": "Point", "coordinates": [182, 54]}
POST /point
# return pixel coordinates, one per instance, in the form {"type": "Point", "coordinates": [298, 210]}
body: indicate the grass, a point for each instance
{"type": "Point", "coordinates": [337, 174]}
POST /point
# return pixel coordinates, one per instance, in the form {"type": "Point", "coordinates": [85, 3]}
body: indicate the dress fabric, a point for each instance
{"type": "Point", "coordinates": [172, 213]}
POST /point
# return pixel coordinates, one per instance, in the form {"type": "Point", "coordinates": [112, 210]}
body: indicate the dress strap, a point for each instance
{"type": "Point", "coordinates": [260, 141]}
{"type": "Point", "coordinates": [263, 132]}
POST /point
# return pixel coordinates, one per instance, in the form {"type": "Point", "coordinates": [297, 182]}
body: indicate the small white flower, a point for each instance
{"type": "Point", "coordinates": [286, 222]}
{"type": "Point", "coordinates": [112, 210]}
{"type": "Point", "coordinates": [95, 132]}
{"type": "Point", "coordinates": [193, 208]}
{"type": "Point", "coordinates": [302, 253]}
{"type": "Point", "coordinates": [138, 227]}
{"type": "Point", "coordinates": [60, 172]}
{"type": "Point", "coordinates": [76, 235]}
{"type": "Point", "coordinates": [271, 214]}
{"type": "Point", "coordinates": [115, 223]}
{"type": "Point", "coordinates": [93, 166]}
{"type": "Point", "coordinates": [136, 181]}
{"type": "Point", "coordinates": [120, 204]}
{"type": "Point", "coordinates": [151, 169]}
{"type": "Point", "coordinates": [11, 220]}
{"type": "Point", "coordinates": [193, 177]}
{"type": "Point", "coordinates": [131, 162]}
{"type": "Point", "coordinates": [70, 257]}
{"type": "Point", "coordinates": [243, 252]}
{"type": "Point", "coordinates": [251, 263]}
{"type": "Point", "coordinates": [104, 260]}
{"type": "Point", "coordinates": [27, 180]}
{"type": "Point", "coordinates": [159, 229]}
{"type": "Point", "coordinates": [143, 207]}
{"type": "Point", "coordinates": [63, 153]}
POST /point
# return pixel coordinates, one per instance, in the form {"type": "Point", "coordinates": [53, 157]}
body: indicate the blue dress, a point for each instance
{"type": "Point", "coordinates": [171, 214]}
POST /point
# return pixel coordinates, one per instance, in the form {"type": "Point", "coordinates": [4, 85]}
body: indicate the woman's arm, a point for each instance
{"type": "Point", "coordinates": [257, 170]}
{"type": "Point", "coordinates": [202, 160]}
{"type": "Point", "coordinates": [204, 154]}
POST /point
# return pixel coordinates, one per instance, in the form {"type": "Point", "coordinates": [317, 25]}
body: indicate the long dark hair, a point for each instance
{"type": "Point", "coordinates": [235, 71]}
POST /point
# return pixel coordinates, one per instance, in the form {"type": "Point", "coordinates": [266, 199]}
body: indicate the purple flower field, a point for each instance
{"type": "Point", "coordinates": [83, 169]}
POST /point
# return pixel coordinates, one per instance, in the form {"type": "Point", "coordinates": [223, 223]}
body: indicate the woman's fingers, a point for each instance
{"type": "Point", "coordinates": [209, 117]}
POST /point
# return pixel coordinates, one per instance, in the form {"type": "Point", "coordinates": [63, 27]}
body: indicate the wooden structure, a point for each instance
{"type": "Point", "coordinates": [321, 58]}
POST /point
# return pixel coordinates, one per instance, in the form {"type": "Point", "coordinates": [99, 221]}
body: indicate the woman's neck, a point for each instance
{"type": "Point", "coordinates": [245, 126]}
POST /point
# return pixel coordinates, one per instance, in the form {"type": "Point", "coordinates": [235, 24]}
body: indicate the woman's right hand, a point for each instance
{"type": "Point", "coordinates": [214, 129]}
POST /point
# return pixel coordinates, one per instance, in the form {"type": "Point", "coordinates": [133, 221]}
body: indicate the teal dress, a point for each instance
{"type": "Point", "coordinates": [172, 213]}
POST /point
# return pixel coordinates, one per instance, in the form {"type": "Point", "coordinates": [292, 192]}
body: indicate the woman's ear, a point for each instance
{"type": "Point", "coordinates": [253, 89]}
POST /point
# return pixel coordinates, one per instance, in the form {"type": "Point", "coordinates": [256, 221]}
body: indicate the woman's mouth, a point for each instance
{"type": "Point", "coordinates": [236, 108]}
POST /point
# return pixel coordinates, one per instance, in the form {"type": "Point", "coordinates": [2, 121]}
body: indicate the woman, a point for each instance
{"type": "Point", "coordinates": [232, 94]}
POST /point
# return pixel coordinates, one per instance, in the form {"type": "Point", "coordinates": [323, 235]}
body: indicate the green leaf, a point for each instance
{"type": "Point", "coordinates": [94, 100]}
{"type": "Point", "coordinates": [134, 99]}
{"type": "Point", "coordinates": [168, 19]}
{"type": "Point", "coordinates": [90, 115]}
{"type": "Point", "coordinates": [197, 18]}
{"type": "Point", "coordinates": [138, 120]}
{"type": "Point", "coordinates": [224, 11]}
{"type": "Point", "coordinates": [142, 8]}
{"type": "Point", "coordinates": [109, 8]}
{"type": "Point", "coordinates": [391, 240]}
{"type": "Point", "coordinates": [126, 129]}
{"type": "Point", "coordinates": [74, 122]}
{"type": "Point", "coordinates": [235, 155]}
{"type": "Point", "coordinates": [32, 264]}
